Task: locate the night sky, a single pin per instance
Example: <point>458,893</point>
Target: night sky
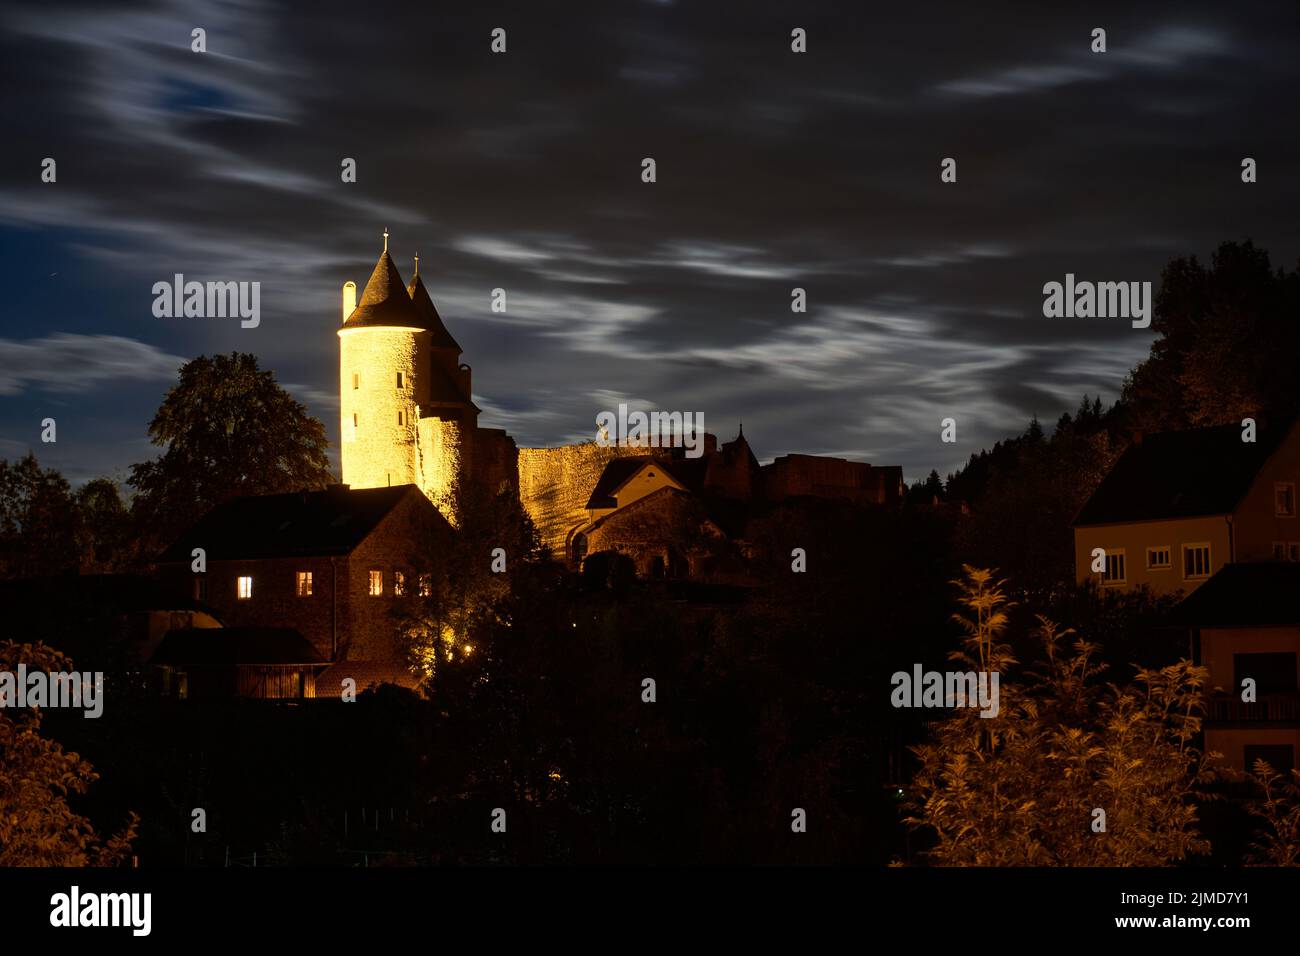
<point>523,171</point>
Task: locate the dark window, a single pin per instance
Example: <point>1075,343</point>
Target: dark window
<point>1273,673</point>
<point>1281,757</point>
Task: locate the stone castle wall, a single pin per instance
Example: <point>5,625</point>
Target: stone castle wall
<point>555,483</point>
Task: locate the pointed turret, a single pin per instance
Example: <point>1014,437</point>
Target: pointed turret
<point>439,337</point>
<point>385,300</point>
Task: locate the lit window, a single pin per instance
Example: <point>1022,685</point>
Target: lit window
<point>1159,558</point>
<point>304,584</point>
<point>376,583</point>
<point>244,587</point>
<point>1115,568</point>
<point>399,379</point>
<point>426,585</point>
<point>1196,560</point>
<point>399,583</point>
<point>1284,499</point>
<point>356,380</point>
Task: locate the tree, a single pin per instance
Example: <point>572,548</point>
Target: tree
<point>1277,842</point>
<point>38,523</point>
<point>462,580</point>
<point>104,527</point>
<point>1229,335</point>
<point>37,826</point>
<point>1023,788</point>
<point>228,430</point>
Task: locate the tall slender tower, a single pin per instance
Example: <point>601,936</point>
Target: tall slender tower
<point>406,416</point>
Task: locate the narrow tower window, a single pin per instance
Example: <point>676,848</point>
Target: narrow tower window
<point>401,418</point>
<point>399,379</point>
<point>356,380</point>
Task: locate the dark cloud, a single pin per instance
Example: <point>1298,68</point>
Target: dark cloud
<point>522,172</point>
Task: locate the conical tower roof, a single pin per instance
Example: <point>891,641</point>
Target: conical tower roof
<point>385,300</point>
<point>429,318</point>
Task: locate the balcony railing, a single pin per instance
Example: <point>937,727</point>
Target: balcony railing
<point>1268,707</point>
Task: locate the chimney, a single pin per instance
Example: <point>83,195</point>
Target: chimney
<point>349,299</point>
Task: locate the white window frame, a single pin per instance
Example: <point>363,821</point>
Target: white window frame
<point>1169,550</point>
<point>1122,555</point>
<point>243,593</point>
<point>1209,560</point>
<point>376,583</point>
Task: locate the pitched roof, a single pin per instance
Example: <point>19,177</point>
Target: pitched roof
<point>231,646</point>
<point>687,472</point>
<point>1202,471</point>
<point>429,317</point>
<point>327,522</point>
<point>385,300</point>
<point>1244,595</point>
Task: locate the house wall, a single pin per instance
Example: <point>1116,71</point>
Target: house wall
<point>1135,537</point>
<point>275,602</point>
<point>645,482</point>
<point>1218,645</point>
<point>1255,524</point>
<point>402,541</point>
<point>366,630</point>
<point>1231,742</point>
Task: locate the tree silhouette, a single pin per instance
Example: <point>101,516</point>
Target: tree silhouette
<point>228,430</point>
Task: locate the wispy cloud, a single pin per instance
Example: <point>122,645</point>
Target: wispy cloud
<point>66,362</point>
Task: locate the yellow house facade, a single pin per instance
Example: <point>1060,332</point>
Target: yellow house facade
<point>1179,506</point>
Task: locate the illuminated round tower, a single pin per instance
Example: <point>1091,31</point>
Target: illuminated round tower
<point>404,400</point>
